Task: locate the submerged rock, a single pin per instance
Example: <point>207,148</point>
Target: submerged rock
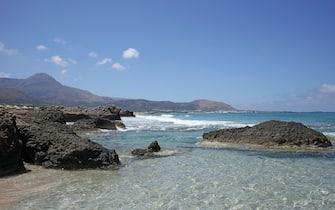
<point>153,147</point>
<point>271,134</point>
<point>10,145</point>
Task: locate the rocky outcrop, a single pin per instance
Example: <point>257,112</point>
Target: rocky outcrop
<point>48,141</point>
<point>104,117</point>
<point>110,112</point>
<point>10,145</point>
<point>97,123</point>
<point>72,114</point>
<point>272,133</point>
<point>153,147</point>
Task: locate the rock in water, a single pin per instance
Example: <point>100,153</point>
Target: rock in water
<point>153,147</point>
<point>10,145</point>
<point>271,134</point>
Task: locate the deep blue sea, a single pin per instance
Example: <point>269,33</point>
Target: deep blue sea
<point>188,176</point>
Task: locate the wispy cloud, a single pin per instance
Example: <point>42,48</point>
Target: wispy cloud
<point>326,88</point>
<point>63,62</point>
<point>104,61</point>
<point>59,41</point>
<point>118,66</point>
<point>93,54</point>
<point>58,61</point>
<point>322,98</point>
<point>9,52</point>
<point>4,75</point>
<point>72,61</point>
<point>41,47</point>
<point>131,53</point>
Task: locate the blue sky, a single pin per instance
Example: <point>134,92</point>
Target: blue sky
<point>260,54</point>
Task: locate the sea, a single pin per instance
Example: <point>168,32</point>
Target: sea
<point>185,174</point>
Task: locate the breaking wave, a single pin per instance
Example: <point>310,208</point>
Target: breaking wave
<point>175,122</point>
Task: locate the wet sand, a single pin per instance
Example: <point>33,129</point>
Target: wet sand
<point>16,188</point>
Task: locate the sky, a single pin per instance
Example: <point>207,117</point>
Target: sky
<point>271,55</point>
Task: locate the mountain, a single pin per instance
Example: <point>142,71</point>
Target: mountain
<point>15,96</point>
<point>42,89</point>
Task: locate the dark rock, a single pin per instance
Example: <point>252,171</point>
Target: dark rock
<point>271,134</point>
<point>153,147</point>
<point>126,113</point>
<point>105,117</point>
<point>73,114</point>
<point>52,144</point>
<point>10,145</point>
<point>49,114</point>
<point>91,124</point>
<point>141,152</point>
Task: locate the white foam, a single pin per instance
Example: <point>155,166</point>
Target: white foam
<point>167,115</point>
<point>168,152</point>
<point>330,134</point>
<point>191,123</point>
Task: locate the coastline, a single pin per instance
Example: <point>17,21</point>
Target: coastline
<point>206,177</point>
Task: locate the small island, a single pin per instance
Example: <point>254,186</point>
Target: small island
<point>270,134</point>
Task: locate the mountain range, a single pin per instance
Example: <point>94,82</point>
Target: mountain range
<point>42,89</point>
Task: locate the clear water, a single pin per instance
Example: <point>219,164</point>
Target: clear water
<point>187,176</point>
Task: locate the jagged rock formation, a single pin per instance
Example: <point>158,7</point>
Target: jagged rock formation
<point>274,134</point>
<point>40,136</point>
<point>89,118</point>
<point>10,145</point>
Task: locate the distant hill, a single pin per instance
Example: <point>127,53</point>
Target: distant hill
<point>42,89</point>
<point>15,96</point>
<point>138,105</point>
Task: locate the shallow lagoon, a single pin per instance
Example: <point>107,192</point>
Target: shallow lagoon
<point>187,176</point>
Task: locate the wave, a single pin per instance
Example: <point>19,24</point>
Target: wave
<point>172,122</point>
<point>330,134</point>
<point>178,121</point>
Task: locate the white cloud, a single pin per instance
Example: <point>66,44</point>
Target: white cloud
<point>4,75</point>
<point>104,61</point>
<point>41,47</point>
<point>7,51</point>
<point>63,72</point>
<point>118,66</point>
<point>59,61</point>
<point>325,88</point>
<point>131,53</point>
<point>93,54</point>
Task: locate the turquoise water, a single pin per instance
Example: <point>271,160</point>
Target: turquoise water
<point>187,176</point>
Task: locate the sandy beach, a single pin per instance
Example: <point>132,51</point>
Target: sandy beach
<point>15,188</point>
